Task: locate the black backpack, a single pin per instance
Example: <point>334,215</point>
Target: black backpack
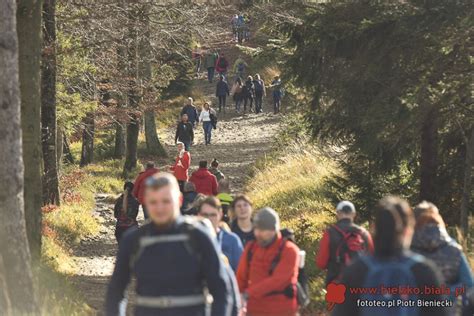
<point>302,286</point>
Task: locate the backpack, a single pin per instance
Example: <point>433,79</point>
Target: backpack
<point>351,246</point>
<point>302,285</point>
<point>391,274</point>
<point>222,63</point>
<point>258,85</point>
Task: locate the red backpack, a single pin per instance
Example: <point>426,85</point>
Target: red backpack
<point>351,246</point>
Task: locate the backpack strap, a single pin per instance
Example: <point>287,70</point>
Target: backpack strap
<point>277,258</point>
<point>250,252</point>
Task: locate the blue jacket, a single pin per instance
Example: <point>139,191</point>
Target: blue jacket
<point>231,247</point>
<point>222,88</point>
<point>178,266</point>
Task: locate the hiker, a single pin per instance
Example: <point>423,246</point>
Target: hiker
<point>125,211</point>
<point>237,94</point>
<point>208,119</point>
<point>181,165</point>
<point>224,196</point>
<point>222,64</point>
<point>214,169</point>
<point>432,241</point>
<point>204,181</point>
<point>184,132</point>
<point>197,56</point>
<point>277,94</point>
<point>194,207</point>
<point>242,223</point>
<point>234,25</point>
<point>139,184</point>
<point>173,259</point>
<point>248,92</point>
<point>260,92</point>
<point>191,111</point>
<point>235,302</point>
<point>239,68</point>
<point>229,242</point>
<point>210,64</point>
<point>342,242</point>
<point>240,28</point>
<point>269,287</point>
<point>392,266</point>
<point>189,195</point>
<point>222,91</point>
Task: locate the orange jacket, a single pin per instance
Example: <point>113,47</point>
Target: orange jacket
<point>254,278</point>
<point>181,170</point>
<point>139,185</point>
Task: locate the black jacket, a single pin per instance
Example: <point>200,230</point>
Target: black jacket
<point>222,88</point>
<point>184,132</point>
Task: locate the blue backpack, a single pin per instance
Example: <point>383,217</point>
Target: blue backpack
<point>390,274</point>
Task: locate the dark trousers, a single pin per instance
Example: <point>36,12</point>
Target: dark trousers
<point>207,131</point>
<point>258,101</point>
<point>248,98</point>
<point>276,102</point>
<point>181,185</point>
<point>222,99</point>
<point>119,231</point>
<point>187,145</point>
<point>210,73</point>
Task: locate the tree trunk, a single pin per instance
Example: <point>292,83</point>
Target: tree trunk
<point>153,144</point>
<point>14,248</point>
<point>119,141</point>
<point>5,304</point>
<point>59,147</point>
<point>87,153</point>
<point>67,151</point>
<point>467,191</point>
<point>429,155</point>
<point>133,127</point>
<point>29,44</point>
<point>48,105</point>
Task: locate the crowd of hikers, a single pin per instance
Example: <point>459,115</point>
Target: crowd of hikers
<point>205,251</point>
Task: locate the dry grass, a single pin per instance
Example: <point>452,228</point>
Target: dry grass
<point>294,184</point>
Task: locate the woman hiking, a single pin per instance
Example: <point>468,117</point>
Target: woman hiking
<point>125,211</point>
<point>432,241</point>
<point>222,91</point>
<point>392,265</point>
<point>237,94</point>
<point>181,166</point>
<point>207,117</point>
<point>175,261</point>
<point>248,93</point>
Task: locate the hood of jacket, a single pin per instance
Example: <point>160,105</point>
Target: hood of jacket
<point>430,237</point>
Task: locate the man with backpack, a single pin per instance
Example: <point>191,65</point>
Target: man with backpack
<point>268,269</point>
<point>342,242</point>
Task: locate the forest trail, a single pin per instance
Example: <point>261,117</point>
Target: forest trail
<point>237,143</point>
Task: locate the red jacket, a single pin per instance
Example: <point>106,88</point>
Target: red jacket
<point>205,182</point>
<point>254,278</point>
<point>139,185</point>
<point>180,170</point>
<point>225,63</point>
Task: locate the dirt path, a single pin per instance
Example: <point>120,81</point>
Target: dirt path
<point>238,141</point>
